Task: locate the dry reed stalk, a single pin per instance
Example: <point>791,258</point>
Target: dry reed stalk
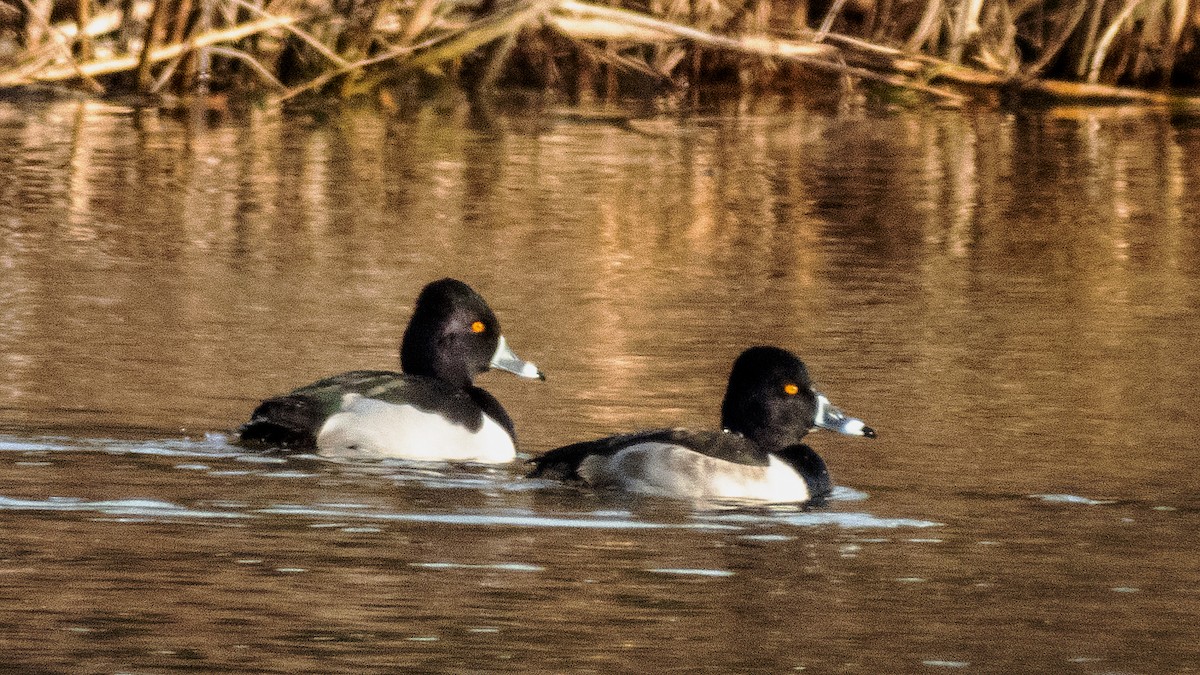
<point>83,17</point>
<point>253,63</point>
<point>150,37</point>
<point>1055,46</point>
<point>1106,40</point>
<point>943,71</point>
<point>102,23</point>
<point>965,28</point>
<point>477,34</point>
<point>1093,75</point>
<point>1089,39</point>
<point>298,32</point>
<point>610,57</point>
<point>1180,12</point>
<point>128,63</point>
<point>62,44</point>
<point>495,63</point>
<point>1104,93</point>
<point>196,76</point>
<point>821,57</point>
<point>605,30</point>
<point>759,45</point>
<point>439,49</point>
<point>38,20</point>
<point>925,27</point>
<point>421,19</point>
<point>180,26</point>
<point>827,24</point>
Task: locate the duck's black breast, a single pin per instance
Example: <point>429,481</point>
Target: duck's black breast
<point>812,468</point>
<point>294,420</point>
<point>563,463</point>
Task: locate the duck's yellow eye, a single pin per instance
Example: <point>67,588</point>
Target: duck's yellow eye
<point>478,327</point>
<point>791,389</point>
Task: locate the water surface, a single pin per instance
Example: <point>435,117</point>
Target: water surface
<point>1010,299</point>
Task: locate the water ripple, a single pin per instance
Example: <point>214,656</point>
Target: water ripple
<point>585,521</point>
<point>212,445</point>
<point>506,567</point>
<point>691,572</point>
<point>1071,499</point>
<point>818,518</point>
<point>142,508</point>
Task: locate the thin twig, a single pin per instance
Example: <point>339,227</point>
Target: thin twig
<point>321,80</point>
<point>481,32</point>
<point>612,58</point>
<point>495,62</point>
<point>298,32</point>
<point>150,37</point>
<point>933,11</point>
<point>830,17</point>
<point>1106,40</point>
<point>168,72</point>
<point>1054,47</point>
<point>1179,21</point>
<point>245,58</point>
<point>1097,7</point>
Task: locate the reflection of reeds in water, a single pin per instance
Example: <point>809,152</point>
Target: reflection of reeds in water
<point>351,46</point>
<point>598,247</point>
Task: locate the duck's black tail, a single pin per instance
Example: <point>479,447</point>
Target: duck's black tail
<point>288,422</point>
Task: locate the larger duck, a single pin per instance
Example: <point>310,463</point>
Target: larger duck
<point>770,405</point>
<point>432,410</point>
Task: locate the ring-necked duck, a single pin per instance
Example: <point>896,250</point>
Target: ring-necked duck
<point>430,411</point>
<point>770,404</point>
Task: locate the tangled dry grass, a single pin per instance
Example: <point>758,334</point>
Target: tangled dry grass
<point>948,50</point>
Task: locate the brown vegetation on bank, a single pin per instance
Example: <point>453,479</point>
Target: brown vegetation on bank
<point>947,50</point>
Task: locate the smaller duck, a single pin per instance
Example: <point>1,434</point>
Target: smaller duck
<point>430,411</point>
<point>770,405</point>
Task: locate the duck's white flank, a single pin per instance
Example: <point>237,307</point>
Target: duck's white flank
<point>670,470</point>
<point>367,427</point>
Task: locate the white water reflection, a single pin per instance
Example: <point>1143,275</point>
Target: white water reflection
<point>504,567</point>
<point>692,572</point>
<point>497,519</point>
<point>150,509</point>
<point>1071,499</point>
<point>817,518</point>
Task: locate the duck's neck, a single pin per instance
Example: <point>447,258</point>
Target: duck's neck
<point>422,358</point>
<point>769,438</point>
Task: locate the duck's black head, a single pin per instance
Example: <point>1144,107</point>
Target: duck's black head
<point>771,400</point>
<point>453,335</point>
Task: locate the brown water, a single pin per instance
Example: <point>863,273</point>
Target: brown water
<point>1010,300</point>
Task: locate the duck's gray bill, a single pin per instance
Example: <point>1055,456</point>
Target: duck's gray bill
<point>831,418</point>
<point>506,359</point>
